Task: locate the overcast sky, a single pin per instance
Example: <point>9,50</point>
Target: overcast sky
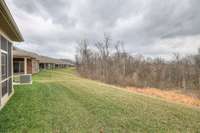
<point>149,27</point>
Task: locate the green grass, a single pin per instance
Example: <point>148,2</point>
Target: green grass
<point>59,101</point>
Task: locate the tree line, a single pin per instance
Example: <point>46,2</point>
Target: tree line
<point>107,61</point>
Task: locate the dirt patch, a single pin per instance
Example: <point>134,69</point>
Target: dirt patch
<point>170,95</point>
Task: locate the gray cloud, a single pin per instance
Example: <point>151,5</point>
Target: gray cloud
<point>153,28</point>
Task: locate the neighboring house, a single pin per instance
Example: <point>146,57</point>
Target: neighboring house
<point>60,64</point>
<point>50,63</point>
<point>9,33</point>
<point>24,62</point>
<point>68,62</point>
<point>46,62</point>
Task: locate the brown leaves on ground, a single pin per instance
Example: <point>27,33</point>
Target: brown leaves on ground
<point>101,130</point>
<point>188,98</point>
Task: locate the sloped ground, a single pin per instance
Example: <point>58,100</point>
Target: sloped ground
<point>179,96</point>
<point>58,101</point>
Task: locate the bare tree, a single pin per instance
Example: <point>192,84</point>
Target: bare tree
<point>107,61</point>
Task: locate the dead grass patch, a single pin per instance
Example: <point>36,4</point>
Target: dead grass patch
<point>171,95</point>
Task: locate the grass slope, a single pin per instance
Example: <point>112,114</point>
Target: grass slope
<point>59,101</point>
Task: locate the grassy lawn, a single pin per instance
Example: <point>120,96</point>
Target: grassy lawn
<point>59,101</point>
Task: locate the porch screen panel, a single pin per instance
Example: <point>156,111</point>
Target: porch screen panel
<point>4,45</point>
<point>18,65</point>
<point>4,86</point>
<point>6,66</point>
<point>9,67</point>
<point>3,66</point>
<point>9,59</point>
<point>10,86</point>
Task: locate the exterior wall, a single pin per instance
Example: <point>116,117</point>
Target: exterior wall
<point>29,66</point>
<point>6,87</point>
<point>45,66</point>
<point>35,66</point>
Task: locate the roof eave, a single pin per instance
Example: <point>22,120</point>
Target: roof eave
<point>5,13</point>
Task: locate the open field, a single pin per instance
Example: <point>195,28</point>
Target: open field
<point>60,101</point>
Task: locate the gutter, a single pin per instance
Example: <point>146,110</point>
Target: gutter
<point>10,21</point>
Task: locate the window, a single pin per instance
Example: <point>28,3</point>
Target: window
<point>4,65</point>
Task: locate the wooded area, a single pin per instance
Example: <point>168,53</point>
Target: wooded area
<point>107,61</point>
